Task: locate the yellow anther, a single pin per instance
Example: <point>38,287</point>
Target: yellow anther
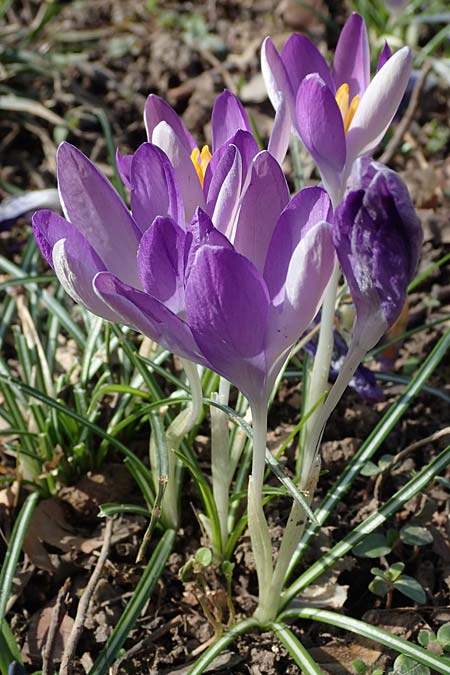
<point>346,107</point>
<point>200,161</point>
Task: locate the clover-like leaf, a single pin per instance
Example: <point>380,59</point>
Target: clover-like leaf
<point>411,588</point>
<point>415,535</point>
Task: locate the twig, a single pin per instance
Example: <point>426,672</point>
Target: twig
<point>143,644</point>
<point>83,605</point>
<point>407,118</point>
<point>405,452</point>
<point>57,616</point>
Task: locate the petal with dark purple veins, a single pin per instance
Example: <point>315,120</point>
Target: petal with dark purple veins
<point>262,204</point>
<point>201,232</point>
<point>154,189</point>
<point>352,57</point>
<point>93,206</point>
<point>228,117</point>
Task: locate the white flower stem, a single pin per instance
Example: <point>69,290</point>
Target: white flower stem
<point>220,460</point>
<point>180,427</point>
<point>257,524</point>
<point>321,366</point>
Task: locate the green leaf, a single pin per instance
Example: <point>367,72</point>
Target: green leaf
<point>370,469</point>
<point>415,535</point>
<point>395,570</point>
<point>425,637</point>
<point>203,556</point>
<point>404,665</point>
<point>379,587</point>
<point>411,588</point>
<point>443,636</point>
<point>360,667</point>
<point>372,546</point>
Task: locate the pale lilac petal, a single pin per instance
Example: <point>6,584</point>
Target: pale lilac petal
<point>161,263</point>
<point>227,307</point>
<point>281,132</point>
<point>201,232</point>
<point>309,271</point>
<point>379,105</point>
<point>74,261</point>
<point>15,206</point>
<point>191,190</point>
<point>93,206</point>
<point>123,163</point>
<point>154,189</point>
<point>225,190</point>
<point>301,58</point>
<point>352,57</point>
<point>262,204</point>
<point>320,125</point>
<point>277,78</point>
<point>156,111</point>
<point>248,149</point>
<point>385,55</point>
<point>228,117</point>
<point>307,208</point>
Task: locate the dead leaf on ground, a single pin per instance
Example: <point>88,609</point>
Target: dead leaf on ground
<point>37,635</point>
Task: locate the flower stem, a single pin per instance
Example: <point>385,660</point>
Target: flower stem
<point>220,458</point>
<point>257,524</point>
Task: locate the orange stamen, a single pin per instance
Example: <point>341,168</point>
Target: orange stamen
<point>200,161</point>
<point>346,107</point>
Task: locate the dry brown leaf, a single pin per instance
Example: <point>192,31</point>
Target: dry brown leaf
<point>37,635</point>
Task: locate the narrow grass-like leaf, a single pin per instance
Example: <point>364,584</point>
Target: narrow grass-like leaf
<point>240,628</point>
<point>398,644</point>
<point>295,648</point>
<point>111,509</point>
<point>134,607</point>
<point>419,278</point>
<point>373,442</point>
<point>9,650</point>
<point>376,519</point>
<point>14,549</point>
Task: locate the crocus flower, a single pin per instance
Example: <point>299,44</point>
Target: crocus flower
<point>233,297</point>
<point>378,239</point>
<point>339,114</point>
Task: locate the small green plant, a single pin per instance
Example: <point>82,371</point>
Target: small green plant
<point>392,579</point>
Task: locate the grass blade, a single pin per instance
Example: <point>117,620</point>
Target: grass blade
<point>221,644</point>
<point>295,648</point>
<point>398,644</point>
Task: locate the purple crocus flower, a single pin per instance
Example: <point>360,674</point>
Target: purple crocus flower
<point>339,114</point>
<point>378,239</point>
<point>232,293</point>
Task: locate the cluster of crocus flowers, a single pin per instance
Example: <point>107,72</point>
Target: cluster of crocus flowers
<point>217,262</point>
<point>339,114</point>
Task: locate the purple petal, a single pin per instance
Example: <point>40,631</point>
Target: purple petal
<point>201,232</point>
<point>186,175</point>
<point>161,263</point>
<point>379,105</point>
<point>308,262</point>
<point>156,111</point>
<point>302,58</point>
<point>248,149</point>
<point>73,259</point>
<point>225,190</point>
<point>154,190</point>
<point>378,238</point>
<point>262,204</point>
<point>123,163</point>
<point>93,206</point>
<point>277,79</point>
<point>385,55</point>
<point>280,135</point>
<point>352,57</point>
<point>320,125</point>
<point>148,316</point>
<point>228,117</point>
<point>227,307</point>
<point>307,208</point>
